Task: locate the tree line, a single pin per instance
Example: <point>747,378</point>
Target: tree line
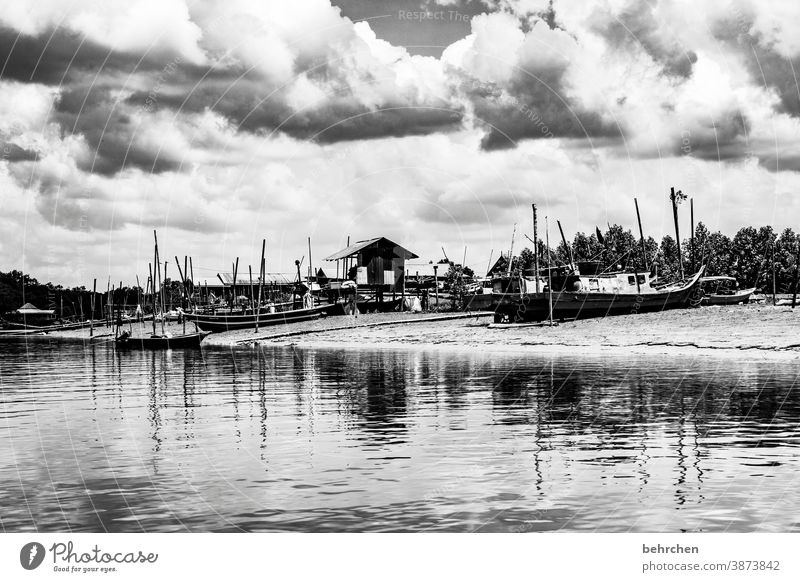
<point>748,256</point>
<point>17,288</point>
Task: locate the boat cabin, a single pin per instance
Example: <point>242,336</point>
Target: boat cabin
<point>719,285</point>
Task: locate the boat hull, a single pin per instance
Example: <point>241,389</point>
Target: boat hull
<point>222,323</point>
<point>577,305</point>
<point>187,341</point>
<point>733,299</point>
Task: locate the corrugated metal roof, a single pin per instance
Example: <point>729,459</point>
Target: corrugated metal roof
<point>31,309</point>
<point>269,279</point>
<point>355,248</point>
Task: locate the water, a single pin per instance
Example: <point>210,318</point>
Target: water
<point>331,440</point>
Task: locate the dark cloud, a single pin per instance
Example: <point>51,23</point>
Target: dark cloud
<point>110,132</point>
<point>534,106</point>
<point>638,26</point>
<point>253,106</point>
<point>60,56</point>
<point>11,152</point>
<point>764,63</point>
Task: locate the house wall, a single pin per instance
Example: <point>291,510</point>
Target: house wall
<point>380,259</point>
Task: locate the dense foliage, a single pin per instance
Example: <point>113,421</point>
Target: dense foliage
<point>17,288</point>
<point>748,256</point>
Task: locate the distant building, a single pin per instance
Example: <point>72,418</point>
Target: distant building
<point>29,314</point>
<point>222,286</point>
<point>378,263</point>
<point>423,275</point>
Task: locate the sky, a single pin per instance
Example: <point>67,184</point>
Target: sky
<point>434,123</point>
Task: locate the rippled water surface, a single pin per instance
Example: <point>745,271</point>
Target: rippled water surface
<point>279,439</point>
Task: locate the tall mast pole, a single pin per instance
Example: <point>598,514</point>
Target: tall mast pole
<point>641,235</point>
<point>310,268</point>
<point>673,198</point>
<point>535,248</point>
<point>549,271</point>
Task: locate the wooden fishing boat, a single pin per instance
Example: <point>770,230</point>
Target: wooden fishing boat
<point>598,296</point>
<point>227,322</point>
<point>160,342</point>
<point>723,291</point>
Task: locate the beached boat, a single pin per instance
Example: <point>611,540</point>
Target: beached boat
<point>160,342</point>
<point>723,291</point>
<point>230,321</point>
<point>597,295</point>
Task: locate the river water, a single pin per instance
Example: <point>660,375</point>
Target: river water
<point>283,439</point>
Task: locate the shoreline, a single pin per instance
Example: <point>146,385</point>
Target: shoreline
<point>747,331</point>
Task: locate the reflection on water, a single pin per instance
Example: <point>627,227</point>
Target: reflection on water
<point>279,439</point>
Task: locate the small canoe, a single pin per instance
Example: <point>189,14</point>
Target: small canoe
<point>742,296</point>
<point>160,342</point>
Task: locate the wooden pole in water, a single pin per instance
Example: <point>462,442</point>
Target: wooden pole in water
<point>310,274</point>
<point>549,271</point>
<point>641,235</point>
<point>108,297</point>
<point>191,278</point>
<point>436,284</point>
<point>183,289</point>
<point>796,274</point>
<point>535,248</point>
<point>91,304</point>
<point>153,295</point>
<point>691,236</point>
<point>310,268</point>
<point>774,291</point>
<point>673,199</point>
<point>346,263</point>
<point>260,280</point>
<point>160,286</point>
<point>138,293</point>
<point>235,275</point>
<point>252,296</point>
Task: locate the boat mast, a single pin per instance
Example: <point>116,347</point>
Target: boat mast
<point>153,293</point>
<point>676,197</point>
<point>261,281</point>
<point>511,250</point>
<point>160,287</point>
<point>641,236</point>
<point>183,287</point>
<point>566,246</point>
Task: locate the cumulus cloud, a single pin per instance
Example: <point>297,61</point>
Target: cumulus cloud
<point>196,114</point>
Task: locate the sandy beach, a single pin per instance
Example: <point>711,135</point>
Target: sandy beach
<point>752,330</point>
